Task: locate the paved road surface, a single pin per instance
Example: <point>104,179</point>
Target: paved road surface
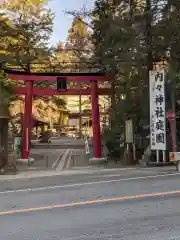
<point>62,207</point>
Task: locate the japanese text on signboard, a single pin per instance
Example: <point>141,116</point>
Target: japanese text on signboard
<point>157,111</point>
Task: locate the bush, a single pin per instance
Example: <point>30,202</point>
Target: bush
<point>114,142</point>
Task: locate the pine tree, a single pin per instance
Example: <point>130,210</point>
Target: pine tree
<point>77,45</point>
<point>131,38</point>
<point>122,47</point>
<point>77,40</point>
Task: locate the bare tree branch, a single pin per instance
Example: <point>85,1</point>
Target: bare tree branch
<point>79,13</point>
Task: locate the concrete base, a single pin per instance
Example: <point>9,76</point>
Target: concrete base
<point>94,161</point>
<point>27,160</point>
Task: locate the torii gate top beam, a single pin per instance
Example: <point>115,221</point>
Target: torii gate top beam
<point>52,76</point>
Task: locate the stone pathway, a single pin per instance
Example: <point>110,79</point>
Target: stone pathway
<point>44,159</point>
<point>79,158</point>
<point>47,155</point>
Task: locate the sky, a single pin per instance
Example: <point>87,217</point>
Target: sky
<point>62,21</point>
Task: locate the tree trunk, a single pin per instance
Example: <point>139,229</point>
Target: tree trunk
<point>3,142</point>
<point>149,36</point>
<point>50,118</point>
<point>113,121</point>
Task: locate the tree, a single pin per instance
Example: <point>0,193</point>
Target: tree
<point>78,39</point>
<point>114,50</point>
<point>61,105</point>
<point>130,38</point>
<point>50,110</point>
<point>77,45</point>
<point>6,97</point>
<point>33,24</point>
<point>126,37</point>
<point>59,102</point>
<point>25,28</point>
<point>7,31</point>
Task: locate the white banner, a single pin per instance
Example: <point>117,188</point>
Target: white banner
<point>157,110</point>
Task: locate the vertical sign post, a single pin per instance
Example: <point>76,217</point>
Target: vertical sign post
<point>130,138</point>
<point>157,111</point>
<point>129,131</point>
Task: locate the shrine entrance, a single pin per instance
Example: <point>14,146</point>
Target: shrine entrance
<point>90,79</point>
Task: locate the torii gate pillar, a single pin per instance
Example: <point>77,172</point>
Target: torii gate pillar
<point>95,120</point>
<point>26,134</point>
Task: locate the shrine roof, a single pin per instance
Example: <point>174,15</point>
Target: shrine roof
<point>60,74</point>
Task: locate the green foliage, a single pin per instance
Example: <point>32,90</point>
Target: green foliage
<point>26,27</point>
<point>7,33</point>
<point>77,40</point>
<point>6,93</point>
<point>76,51</point>
<point>33,24</point>
<point>130,37</point>
<point>114,141</point>
<point>59,102</point>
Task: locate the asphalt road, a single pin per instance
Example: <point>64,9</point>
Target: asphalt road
<point>134,204</point>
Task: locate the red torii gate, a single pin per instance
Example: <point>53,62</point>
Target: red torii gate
<point>29,91</point>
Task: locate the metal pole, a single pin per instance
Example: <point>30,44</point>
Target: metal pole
<point>27,139</point>
<point>80,116</point>
<point>164,156</point>
<point>173,135</point>
<point>173,122</point>
<point>127,148</point>
<point>157,156</point>
<point>134,151</point>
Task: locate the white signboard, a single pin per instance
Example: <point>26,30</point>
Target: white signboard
<point>157,110</point>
